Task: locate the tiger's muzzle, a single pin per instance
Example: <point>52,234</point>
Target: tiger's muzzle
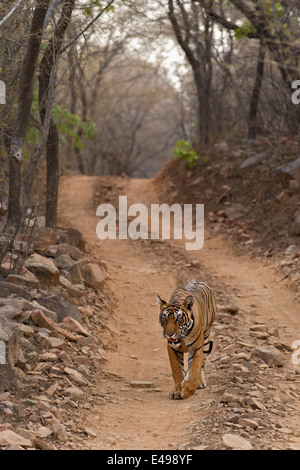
<point>174,340</point>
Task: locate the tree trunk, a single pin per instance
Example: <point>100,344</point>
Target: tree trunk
<point>195,41</point>
<point>14,215</point>
<point>203,115</point>
<point>254,101</point>
<point>52,162</point>
<point>50,58</point>
<point>15,212</point>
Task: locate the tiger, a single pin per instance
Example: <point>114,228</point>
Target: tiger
<point>186,321</point>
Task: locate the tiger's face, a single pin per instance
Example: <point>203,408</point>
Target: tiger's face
<point>176,320</point>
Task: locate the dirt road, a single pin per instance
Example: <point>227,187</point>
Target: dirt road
<point>125,417</point>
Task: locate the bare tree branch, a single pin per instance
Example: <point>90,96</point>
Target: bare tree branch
<point>81,33</point>
<point>51,12</point>
<point>10,12</point>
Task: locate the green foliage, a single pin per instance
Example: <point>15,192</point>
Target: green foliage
<point>88,8</point>
<point>68,125</point>
<point>272,10</point>
<point>185,151</point>
<point>90,5</point>
<point>33,137</point>
<point>244,30</point>
<point>279,9</point>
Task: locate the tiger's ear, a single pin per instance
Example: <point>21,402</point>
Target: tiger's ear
<point>161,302</point>
<point>188,302</point>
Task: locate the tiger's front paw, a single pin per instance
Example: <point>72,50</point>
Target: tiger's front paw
<point>203,382</point>
<point>175,395</point>
<point>188,389</point>
<point>201,386</point>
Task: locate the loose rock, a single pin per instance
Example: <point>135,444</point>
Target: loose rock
<point>10,438</point>
<point>233,441</point>
<point>43,268</point>
<point>43,238</point>
<point>269,355</point>
<point>94,276</point>
<point>62,308</point>
<point>141,384</point>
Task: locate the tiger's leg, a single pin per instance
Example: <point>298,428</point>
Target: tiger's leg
<point>206,351</point>
<point>191,381</point>
<point>177,367</point>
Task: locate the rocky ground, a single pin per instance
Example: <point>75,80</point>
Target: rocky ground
<point>251,196</point>
<point>84,364</point>
<point>252,400</point>
<point>248,406</point>
<point>48,354</point>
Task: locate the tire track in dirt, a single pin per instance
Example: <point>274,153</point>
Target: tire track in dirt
<point>123,417</point>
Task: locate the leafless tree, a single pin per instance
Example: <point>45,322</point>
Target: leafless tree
<point>278,32</point>
<point>193,29</point>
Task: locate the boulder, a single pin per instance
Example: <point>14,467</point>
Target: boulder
<point>74,392</point>
<point>36,305</point>
<point>43,237</point>
<point>291,250</point>
<point>20,306</point>
<point>94,276</point>
<point>7,288</point>
<point>269,355</point>
<point>248,423</point>
<point>66,249</point>
<point>76,290</point>
<point>71,236</point>
<point>10,438</point>
<point>74,325</point>
<point>62,308</point>
<point>64,262</point>
<point>24,281</point>
<point>233,441</point>
<point>59,431</point>
<point>76,273</point>
<point>10,312</point>
<point>253,403</point>
<point>252,160</point>
<point>75,376</point>
<point>41,320</point>
<point>43,268</point>
<point>71,268</point>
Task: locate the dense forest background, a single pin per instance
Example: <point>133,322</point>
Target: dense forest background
<point>121,87</point>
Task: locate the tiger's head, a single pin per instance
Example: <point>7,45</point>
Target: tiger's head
<point>176,319</point>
